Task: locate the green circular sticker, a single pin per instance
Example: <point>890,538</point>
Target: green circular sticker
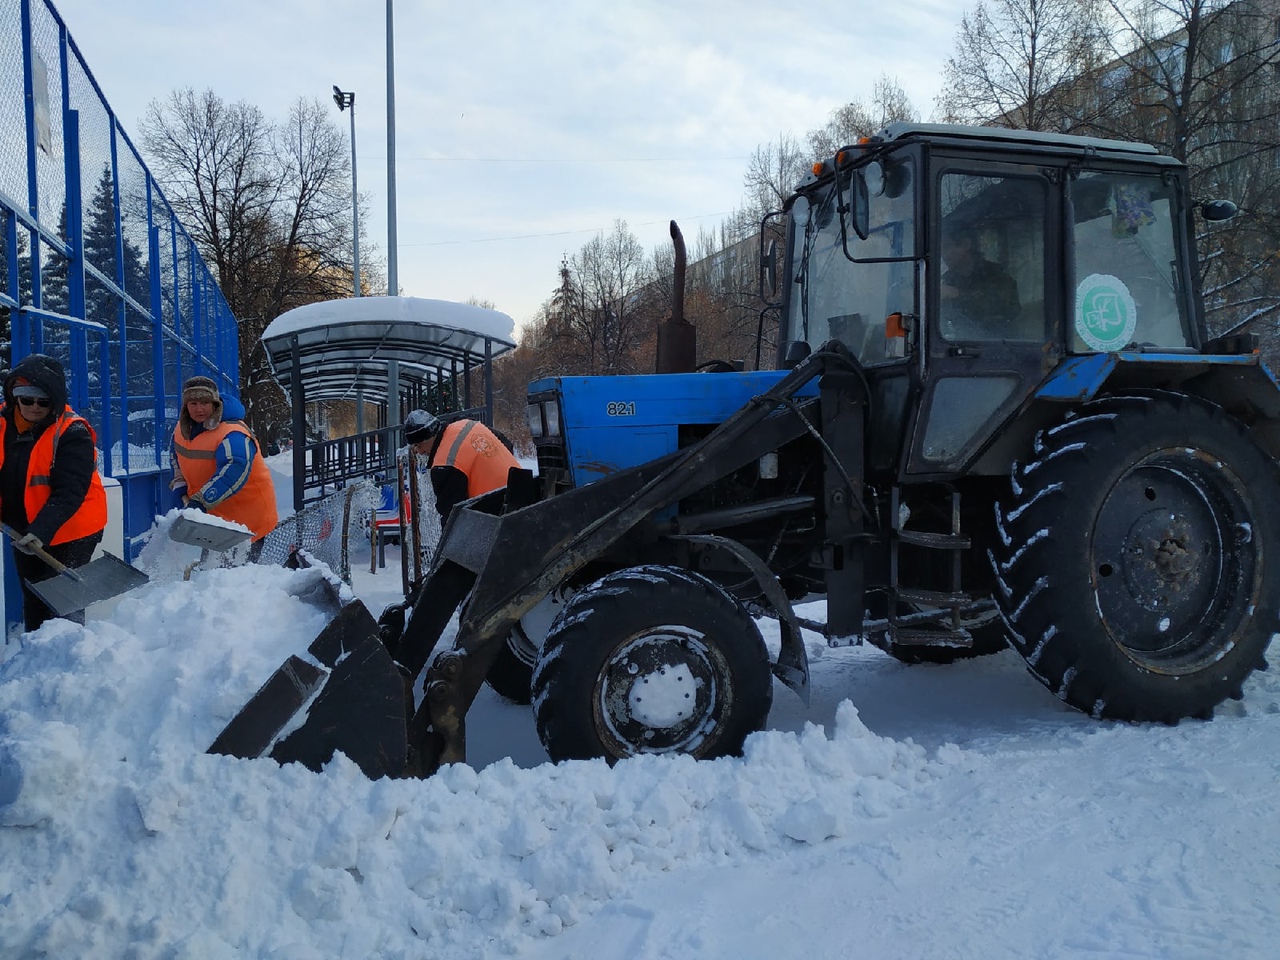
<point>1105,313</point>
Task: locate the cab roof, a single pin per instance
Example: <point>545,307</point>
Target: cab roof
<point>1002,138</point>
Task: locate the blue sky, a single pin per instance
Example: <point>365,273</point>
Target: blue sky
<point>524,129</point>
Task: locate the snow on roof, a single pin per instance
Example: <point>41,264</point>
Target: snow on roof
<point>411,310</point>
<point>336,348</point>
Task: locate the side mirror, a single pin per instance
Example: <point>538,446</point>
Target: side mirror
<point>859,204</point>
<point>769,268</point>
<point>1218,210</point>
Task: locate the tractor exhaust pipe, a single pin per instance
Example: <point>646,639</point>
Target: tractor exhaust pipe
<point>677,339</point>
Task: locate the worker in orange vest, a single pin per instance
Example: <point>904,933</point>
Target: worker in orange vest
<point>50,491</point>
<point>217,464</point>
<point>466,458</point>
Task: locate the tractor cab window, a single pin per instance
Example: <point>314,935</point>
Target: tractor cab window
<point>848,296</point>
<point>1128,284</point>
<point>991,242</point>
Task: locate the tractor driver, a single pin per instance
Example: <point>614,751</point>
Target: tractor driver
<point>465,457</point>
<point>978,296</point>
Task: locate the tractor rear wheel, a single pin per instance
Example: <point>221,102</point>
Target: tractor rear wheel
<point>1138,559</point>
<point>651,659</point>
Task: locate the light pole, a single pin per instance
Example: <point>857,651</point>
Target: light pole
<point>393,281</point>
<point>343,100</point>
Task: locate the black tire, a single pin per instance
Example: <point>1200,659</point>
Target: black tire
<point>1138,558</point>
<point>511,674</point>
<point>644,630</point>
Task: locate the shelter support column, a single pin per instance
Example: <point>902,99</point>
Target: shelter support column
<point>298,396</point>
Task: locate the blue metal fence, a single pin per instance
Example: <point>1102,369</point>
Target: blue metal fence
<point>97,271</point>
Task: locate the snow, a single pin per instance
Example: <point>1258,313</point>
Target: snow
<point>922,811</point>
<point>411,310</point>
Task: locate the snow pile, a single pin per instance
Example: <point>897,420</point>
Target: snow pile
<point>960,811</point>
<point>119,831</point>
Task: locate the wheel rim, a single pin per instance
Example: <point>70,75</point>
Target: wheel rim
<point>659,692</point>
<point>1173,560</point>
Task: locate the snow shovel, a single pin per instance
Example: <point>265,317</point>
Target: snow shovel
<point>199,530</point>
<point>73,590</point>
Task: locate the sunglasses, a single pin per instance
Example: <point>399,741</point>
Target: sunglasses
<point>42,402</point>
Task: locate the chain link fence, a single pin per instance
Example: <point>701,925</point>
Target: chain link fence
<point>344,525</point>
<point>95,269</point>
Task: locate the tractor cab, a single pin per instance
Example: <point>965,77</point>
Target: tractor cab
<point>962,266</point>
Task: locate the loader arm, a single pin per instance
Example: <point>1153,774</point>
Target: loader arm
<point>542,545</point>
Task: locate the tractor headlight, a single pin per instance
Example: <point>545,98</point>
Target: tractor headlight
<point>552,410</point>
<point>534,413</point>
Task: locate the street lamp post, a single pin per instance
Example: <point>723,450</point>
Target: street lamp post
<point>346,99</point>
<point>393,280</point>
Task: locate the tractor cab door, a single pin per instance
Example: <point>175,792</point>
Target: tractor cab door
<point>993,318</point>
<point>861,285</point>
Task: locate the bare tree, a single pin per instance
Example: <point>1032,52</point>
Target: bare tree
<point>772,173</point>
<point>601,319</point>
<point>215,161</point>
<point>1198,78</point>
<point>1016,60</point>
<point>269,206</point>
<point>889,104</point>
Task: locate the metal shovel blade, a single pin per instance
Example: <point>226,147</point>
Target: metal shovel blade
<point>354,703</point>
<point>198,532</point>
<point>100,579</point>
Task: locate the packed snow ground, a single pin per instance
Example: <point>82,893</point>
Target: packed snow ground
<point>919,811</point>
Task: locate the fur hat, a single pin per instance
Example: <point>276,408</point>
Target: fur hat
<point>200,388</point>
<point>420,425</point>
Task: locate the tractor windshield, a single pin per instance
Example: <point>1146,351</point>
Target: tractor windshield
<point>835,296</point>
<point>1129,285</point>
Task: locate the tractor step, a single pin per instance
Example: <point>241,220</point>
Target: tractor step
<point>933,598</point>
<point>935,541</point>
<point>931,638</point>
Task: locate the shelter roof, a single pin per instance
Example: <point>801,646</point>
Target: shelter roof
<point>338,347</point>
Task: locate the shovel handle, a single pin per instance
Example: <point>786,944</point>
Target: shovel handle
<point>40,552</point>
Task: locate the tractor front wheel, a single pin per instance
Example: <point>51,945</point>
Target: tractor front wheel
<point>651,659</point>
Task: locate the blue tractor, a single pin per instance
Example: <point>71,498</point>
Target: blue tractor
<point>996,420</point>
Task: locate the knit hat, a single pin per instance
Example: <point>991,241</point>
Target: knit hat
<point>25,388</point>
<point>420,425</point>
<point>198,389</point>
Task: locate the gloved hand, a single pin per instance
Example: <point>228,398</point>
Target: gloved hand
<point>28,543</point>
<point>194,503</point>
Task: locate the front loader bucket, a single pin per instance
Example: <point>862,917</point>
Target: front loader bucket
<point>349,698</point>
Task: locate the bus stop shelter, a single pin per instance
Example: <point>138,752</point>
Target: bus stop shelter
<point>399,352</point>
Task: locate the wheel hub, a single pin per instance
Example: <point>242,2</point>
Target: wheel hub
<point>1174,560</point>
<point>1157,551</point>
<point>658,691</point>
<point>665,698</point>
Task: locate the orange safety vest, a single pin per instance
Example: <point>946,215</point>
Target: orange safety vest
<point>91,516</point>
<point>472,447</point>
<point>254,504</point>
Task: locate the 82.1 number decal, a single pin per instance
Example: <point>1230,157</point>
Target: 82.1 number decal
<point>620,408</point>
